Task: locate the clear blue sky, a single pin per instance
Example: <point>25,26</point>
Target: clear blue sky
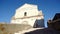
<point>8,7</point>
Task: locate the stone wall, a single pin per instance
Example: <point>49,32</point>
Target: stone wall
<point>12,28</point>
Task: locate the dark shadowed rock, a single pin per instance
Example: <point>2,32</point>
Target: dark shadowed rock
<point>44,31</point>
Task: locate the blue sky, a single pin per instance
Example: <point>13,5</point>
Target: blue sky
<point>8,7</point>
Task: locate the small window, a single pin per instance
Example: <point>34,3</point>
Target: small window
<point>25,14</point>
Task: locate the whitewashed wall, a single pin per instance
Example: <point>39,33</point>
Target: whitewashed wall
<point>32,15</point>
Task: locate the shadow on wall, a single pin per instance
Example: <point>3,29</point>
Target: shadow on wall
<point>39,23</point>
<point>55,22</point>
<point>53,26</point>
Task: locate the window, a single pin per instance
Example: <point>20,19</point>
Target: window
<point>25,14</point>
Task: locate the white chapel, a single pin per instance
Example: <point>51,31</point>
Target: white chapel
<point>28,14</point>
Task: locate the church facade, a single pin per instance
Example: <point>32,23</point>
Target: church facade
<point>28,14</point>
